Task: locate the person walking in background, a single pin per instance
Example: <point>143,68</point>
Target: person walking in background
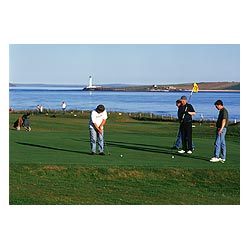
<point>97,121</point>
<point>63,105</point>
<point>39,108</point>
<point>221,130</point>
<point>185,113</point>
<point>178,141</point>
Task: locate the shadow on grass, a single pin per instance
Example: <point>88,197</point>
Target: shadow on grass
<point>150,148</point>
<point>52,148</point>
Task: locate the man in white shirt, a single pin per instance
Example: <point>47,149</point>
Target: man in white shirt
<point>63,105</point>
<point>97,121</point>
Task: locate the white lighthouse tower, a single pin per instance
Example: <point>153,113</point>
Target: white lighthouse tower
<point>91,86</point>
<point>90,82</point>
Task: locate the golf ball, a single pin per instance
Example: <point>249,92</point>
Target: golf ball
<point>172,156</point>
<point>121,155</point>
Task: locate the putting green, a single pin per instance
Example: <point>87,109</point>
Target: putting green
<point>59,146</point>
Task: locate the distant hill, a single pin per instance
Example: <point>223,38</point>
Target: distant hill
<point>212,85</point>
<point>203,86</point>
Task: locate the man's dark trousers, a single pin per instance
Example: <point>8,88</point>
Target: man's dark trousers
<point>186,135</point>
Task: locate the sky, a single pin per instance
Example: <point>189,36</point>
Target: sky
<point>123,63</point>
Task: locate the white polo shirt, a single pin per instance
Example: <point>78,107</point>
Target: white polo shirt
<point>97,118</point>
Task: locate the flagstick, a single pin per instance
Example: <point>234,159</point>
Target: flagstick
<point>190,95</point>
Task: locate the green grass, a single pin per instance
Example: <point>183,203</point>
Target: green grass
<point>52,165</point>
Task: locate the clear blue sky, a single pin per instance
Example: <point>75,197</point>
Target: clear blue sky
<point>124,63</point>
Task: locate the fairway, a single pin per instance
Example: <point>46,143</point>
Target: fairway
<point>52,163</point>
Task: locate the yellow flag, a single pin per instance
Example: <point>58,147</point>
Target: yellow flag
<point>195,88</point>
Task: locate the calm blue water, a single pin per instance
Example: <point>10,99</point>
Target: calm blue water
<point>161,103</point>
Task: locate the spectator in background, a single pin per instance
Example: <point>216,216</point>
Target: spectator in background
<point>39,108</point>
<point>63,105</point>
<point>23,121</point>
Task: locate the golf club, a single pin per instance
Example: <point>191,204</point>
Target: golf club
<point>105,144</point>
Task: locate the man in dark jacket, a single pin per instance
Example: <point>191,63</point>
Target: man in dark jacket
<point>185,113</point>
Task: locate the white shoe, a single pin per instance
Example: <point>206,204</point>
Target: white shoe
<point>222,160</point>
<point>189,152</point>
<point>181,151</point>
<point>214,159</point>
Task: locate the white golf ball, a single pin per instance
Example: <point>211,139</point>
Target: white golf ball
<point>172,156</point>
<point>121,155</point>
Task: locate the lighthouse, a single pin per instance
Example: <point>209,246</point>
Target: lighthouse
<point>91,86</point>
<point>90,82</point>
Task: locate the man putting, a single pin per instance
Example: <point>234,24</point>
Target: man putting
<point>97,121</point>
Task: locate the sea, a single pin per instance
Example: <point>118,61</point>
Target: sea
<point>27,97</point>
